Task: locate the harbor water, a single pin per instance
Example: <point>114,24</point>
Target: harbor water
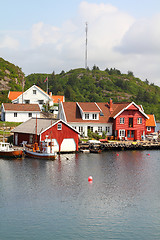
<point>47,200</point>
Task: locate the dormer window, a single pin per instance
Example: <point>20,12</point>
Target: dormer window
<point>94,116</point>
<point>86,115</point>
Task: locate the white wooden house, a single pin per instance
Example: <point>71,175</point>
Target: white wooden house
<point>33,95</point>
<point>87,116</point>
<point>19,112</point>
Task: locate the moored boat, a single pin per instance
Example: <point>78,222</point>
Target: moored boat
<point>7,151</point>
<point>44,151</point>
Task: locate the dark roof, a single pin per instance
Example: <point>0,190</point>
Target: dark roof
<point>21,107</point>
<point>30,125</point>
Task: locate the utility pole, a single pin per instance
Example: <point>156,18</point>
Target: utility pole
<point>86,46</point>
<point>22,88</point>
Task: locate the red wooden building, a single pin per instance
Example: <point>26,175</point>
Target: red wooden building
<point>65,137</point>
<point>129,122</point>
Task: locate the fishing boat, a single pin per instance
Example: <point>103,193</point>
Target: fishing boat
<point>7,151</point>
<point>44,151</point>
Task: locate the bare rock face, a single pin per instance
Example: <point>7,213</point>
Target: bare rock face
<point>11,76</point>
<point>4,84</point>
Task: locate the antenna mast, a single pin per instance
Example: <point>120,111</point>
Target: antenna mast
<point>86,46</point>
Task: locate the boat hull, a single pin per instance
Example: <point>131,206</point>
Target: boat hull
<point>40,155</point>
<point>11,154</point>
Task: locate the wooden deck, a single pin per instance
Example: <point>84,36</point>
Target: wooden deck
<point>124,145</point>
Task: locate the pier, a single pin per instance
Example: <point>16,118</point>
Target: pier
<point>122,145</point>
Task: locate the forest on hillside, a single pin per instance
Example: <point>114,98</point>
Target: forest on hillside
<point>95,85</point>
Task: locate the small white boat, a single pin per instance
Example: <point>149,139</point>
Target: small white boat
<point>44,151</point>
<point>7,151</point>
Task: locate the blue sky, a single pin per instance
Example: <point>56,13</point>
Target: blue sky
<point>46,36</point>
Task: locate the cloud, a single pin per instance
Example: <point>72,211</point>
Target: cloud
<point>143,37</point>
<point>115,39</point>
<point>9,42</point>
<point>43,34</point>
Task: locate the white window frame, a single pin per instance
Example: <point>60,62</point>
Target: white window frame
<point>80,129</point>
<point>121,120</point>
<point>59,126</point>
<point>121,132</point>
<point>94,116</point>
<point>15,114</point>
<point>86,115</point>
<point>100,129</point>
<point>27,101</point>
<point>41,102</point>
<point>29,114</point>
<point>148,129</point>
<point>34,91</point>
<point>107,129</point>
<point>139,120</point>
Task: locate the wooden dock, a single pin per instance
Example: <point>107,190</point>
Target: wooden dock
<point>123,145</point>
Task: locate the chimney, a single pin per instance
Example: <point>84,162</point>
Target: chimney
<point>50,94</point>
<point>110,106</point>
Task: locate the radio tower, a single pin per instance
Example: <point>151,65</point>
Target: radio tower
<point>86,46</point>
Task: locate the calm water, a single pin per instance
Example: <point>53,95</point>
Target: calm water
<point>46,200</point>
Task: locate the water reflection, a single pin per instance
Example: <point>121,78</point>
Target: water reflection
<point>124,192</point>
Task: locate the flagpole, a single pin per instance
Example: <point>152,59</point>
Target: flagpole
<point>47,92</point>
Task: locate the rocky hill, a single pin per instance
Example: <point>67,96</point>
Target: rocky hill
<point>11,76</point>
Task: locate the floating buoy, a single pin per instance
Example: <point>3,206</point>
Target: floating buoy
<point>148,154</point>
<point>117,154</point>
<point>90,179</point>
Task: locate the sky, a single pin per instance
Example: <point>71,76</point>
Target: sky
<point>45,36</point>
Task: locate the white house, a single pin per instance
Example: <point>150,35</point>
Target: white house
<point>87,116</point>
<point>19,112</point>
<point>34,95</point>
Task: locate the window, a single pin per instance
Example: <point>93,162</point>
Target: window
<point>99,129</point>
<point>86,115</point>
<point>34,91</point>
<point>40,102</point>
<point>15,114</point>
<point>122,120</point>
<point>29,114</point>
<point>148,129</point>
<point>90,128</point>
<point>130,122</point>
<point>26,101</point>
<point>80,129</point>
<point>107,129</point>
<point>139,120</point>
<point>94,116</point>
<point>122,133</point>
<point>59,126</point>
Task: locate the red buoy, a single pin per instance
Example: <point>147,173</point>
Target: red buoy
<point>90,179</point>
<point>117,154</point>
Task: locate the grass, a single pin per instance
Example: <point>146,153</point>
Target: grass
<point>4,132</point>
<point>9,124</point>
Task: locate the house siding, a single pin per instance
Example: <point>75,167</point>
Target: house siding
<point>60,135</point>
<point>21,116</point>
<point>139,129</point>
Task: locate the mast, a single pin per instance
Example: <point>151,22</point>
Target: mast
<point>86,45</point>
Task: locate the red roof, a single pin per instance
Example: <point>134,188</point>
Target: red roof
<point>91,107</point>
<point>13,95</point>
<point>57,98</point>
<point>151,121</point>
<point>21,107</point>
<point>72,111</point>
